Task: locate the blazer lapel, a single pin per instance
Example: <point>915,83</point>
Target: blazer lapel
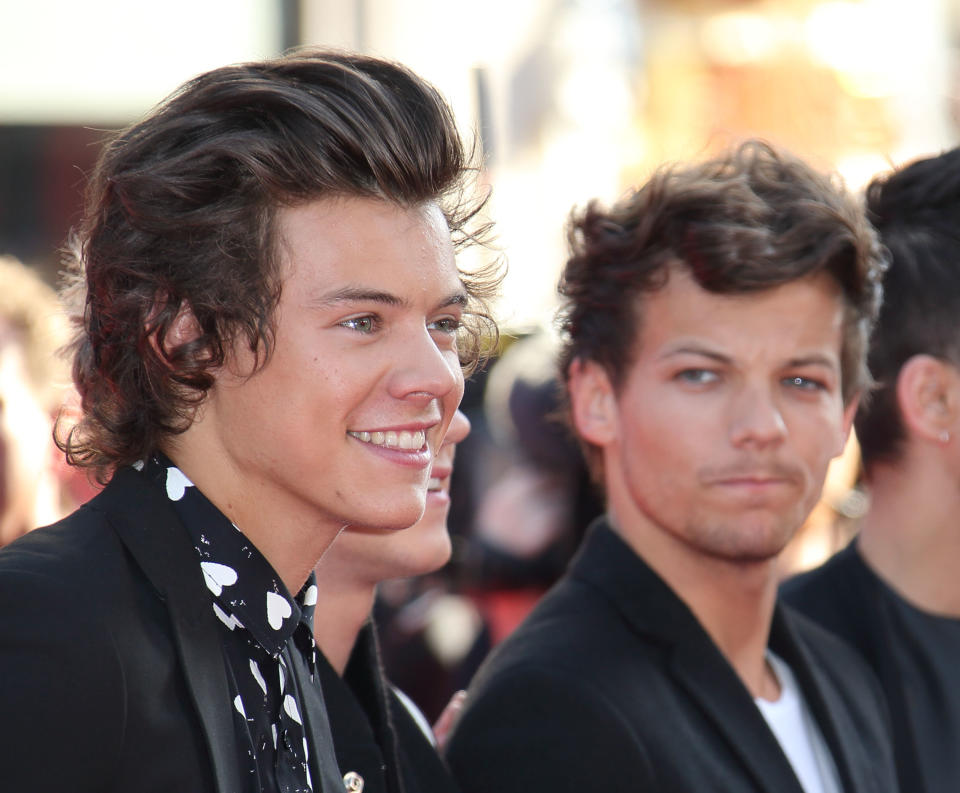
<point>324,769</point>
<point>832,719</point>
<point>712,684</point>
<point>655,611</point>
<point>151,531</point>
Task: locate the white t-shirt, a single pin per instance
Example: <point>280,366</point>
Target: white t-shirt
<point>799,736</point>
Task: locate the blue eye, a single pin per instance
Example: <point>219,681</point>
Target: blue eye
<point>365,324</point>
<point>804,383</point>
<point>698,376</point>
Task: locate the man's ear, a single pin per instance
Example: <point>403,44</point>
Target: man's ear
<point>593,403</point>
<point>928,395</point>
<point>849,412</point>
<point>183,329</point>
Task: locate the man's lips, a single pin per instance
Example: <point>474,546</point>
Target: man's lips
<point>769,474</point>
<point>753,483</point>
<point>439,477</point>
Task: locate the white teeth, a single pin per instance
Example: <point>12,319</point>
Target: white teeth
<point>434,484</point>
<point>405,439</point>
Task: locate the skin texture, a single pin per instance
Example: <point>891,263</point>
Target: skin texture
<point>361,558</point>
<point>716,446</point>
<point>365,342</point>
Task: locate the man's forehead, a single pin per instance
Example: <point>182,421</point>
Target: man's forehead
<point>800,319</point>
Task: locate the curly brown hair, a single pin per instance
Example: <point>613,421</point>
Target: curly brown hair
<point>181,210</point>
<point>750,219</point>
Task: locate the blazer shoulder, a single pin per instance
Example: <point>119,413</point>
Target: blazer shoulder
<point>842,596</point>
<point>532,728</point>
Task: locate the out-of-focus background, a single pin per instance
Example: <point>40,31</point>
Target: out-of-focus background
<point>568,100</point>
<point>572,98</point>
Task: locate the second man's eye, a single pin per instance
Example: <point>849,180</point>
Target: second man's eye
<point>365,324</point>
<point>804,383</point>
<point>446,325</point>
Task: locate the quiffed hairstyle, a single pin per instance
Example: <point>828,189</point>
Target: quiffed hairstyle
<point>749,220</point>
<point>181,211</point>
<point>916,210</point>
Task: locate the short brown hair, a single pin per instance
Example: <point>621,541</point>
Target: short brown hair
<point>916,210</point>
<point>749,220</point>
<point>181,211</point>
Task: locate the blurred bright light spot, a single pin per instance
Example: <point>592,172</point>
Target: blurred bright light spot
<point>596,94</point>
<point>859,168</point>
<point>855,40</point>
<point>63,61</point>
<point>740,38</point>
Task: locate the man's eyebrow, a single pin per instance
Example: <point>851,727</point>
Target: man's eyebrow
<point>458,298</point>
<point>357,294</point>
<point>354,294</point>
<point>693,349</point>
<point>816,359</point>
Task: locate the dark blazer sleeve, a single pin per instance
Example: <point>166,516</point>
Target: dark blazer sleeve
<point>61,689</point>
<point>541,731</point>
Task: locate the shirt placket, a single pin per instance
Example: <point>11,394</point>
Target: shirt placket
<point>293,766</point>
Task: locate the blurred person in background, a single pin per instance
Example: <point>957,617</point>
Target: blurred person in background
<point>522,497</point>
<point>34,384</point>
<point>271,333</point>
<point>894,592</point>
<point>716,324</point>
<point>382,740</point>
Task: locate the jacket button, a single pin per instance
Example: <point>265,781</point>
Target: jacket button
<point>353,782</point>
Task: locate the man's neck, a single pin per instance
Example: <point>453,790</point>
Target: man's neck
<point>343,606</point>
<point>909,536</point>
<point>732,601</point>
<point>285,532</point>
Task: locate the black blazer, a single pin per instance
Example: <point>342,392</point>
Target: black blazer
<point>112,677</point>
<point>611,684</point>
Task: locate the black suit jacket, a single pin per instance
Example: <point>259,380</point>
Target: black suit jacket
<point>611,684</point>
<point>112,676</point>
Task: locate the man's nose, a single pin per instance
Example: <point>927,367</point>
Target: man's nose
<point>756,417</point>
<point>424,369</point>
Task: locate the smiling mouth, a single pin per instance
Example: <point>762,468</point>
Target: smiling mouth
<point>405,440</point>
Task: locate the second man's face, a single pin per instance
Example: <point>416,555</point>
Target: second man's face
<point>721,433</point>
<point>342,423</point>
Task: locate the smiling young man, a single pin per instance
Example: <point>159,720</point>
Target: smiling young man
<point>715,327</point>
<point>267,351</point>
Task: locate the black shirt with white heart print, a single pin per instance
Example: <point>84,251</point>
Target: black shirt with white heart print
<point>261,626</point>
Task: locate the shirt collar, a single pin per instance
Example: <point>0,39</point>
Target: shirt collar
<point>246,591</point>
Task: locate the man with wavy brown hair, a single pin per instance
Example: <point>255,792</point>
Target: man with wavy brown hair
<point>715,326</point>
<point>271,331</point>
